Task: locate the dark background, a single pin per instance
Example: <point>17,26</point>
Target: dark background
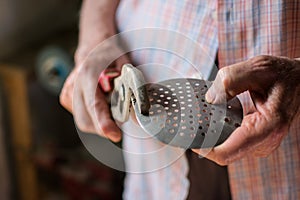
<point>41,155</point>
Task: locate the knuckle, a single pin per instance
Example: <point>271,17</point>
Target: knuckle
<point>226,80</point>
<point>261,60</point>
<point>63,94</point>
<point>65,99</point>
<point>62,98</point>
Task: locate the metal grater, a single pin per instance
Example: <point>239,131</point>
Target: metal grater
<point>175,111</point>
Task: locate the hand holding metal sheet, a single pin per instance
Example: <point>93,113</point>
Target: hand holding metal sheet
<point>175,111</point>
<point>273,83</point>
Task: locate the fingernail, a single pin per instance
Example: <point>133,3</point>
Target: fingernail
<point>209,97</point>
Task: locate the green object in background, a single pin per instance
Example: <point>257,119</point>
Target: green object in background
<point>52,68</point>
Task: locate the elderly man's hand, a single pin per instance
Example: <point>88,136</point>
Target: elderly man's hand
<point>82,96</point>
<point>274,85</point>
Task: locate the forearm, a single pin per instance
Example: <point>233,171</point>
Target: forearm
<point>97,22</point>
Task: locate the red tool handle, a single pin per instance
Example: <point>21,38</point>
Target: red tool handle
<point>106,79</point>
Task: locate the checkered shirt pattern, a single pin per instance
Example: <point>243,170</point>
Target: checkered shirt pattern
<point>235,30</point>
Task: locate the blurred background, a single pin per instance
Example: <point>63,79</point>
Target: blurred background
<point>41,155</point>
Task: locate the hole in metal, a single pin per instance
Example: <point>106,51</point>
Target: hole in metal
<point>237,125</point>
<point>226,119</point>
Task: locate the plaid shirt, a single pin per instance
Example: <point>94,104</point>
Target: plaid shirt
<point>236,30</point>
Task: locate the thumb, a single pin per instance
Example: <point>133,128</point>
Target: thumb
<point>255,75</point>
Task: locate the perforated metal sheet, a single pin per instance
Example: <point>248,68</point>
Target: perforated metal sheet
<point>180,116</point>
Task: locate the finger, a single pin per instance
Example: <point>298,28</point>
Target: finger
<point>71,99</point>
<point>99,112</point>
<point>103,116</point>
<point>241,142</point>
<point>95,101</point>
<point>248,75</point>
<point>83,120</point>
<point>66,94</point>
<point>81,117</point>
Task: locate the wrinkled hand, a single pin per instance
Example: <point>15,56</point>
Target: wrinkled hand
<point>82,96</point>
<point>274,85</point>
